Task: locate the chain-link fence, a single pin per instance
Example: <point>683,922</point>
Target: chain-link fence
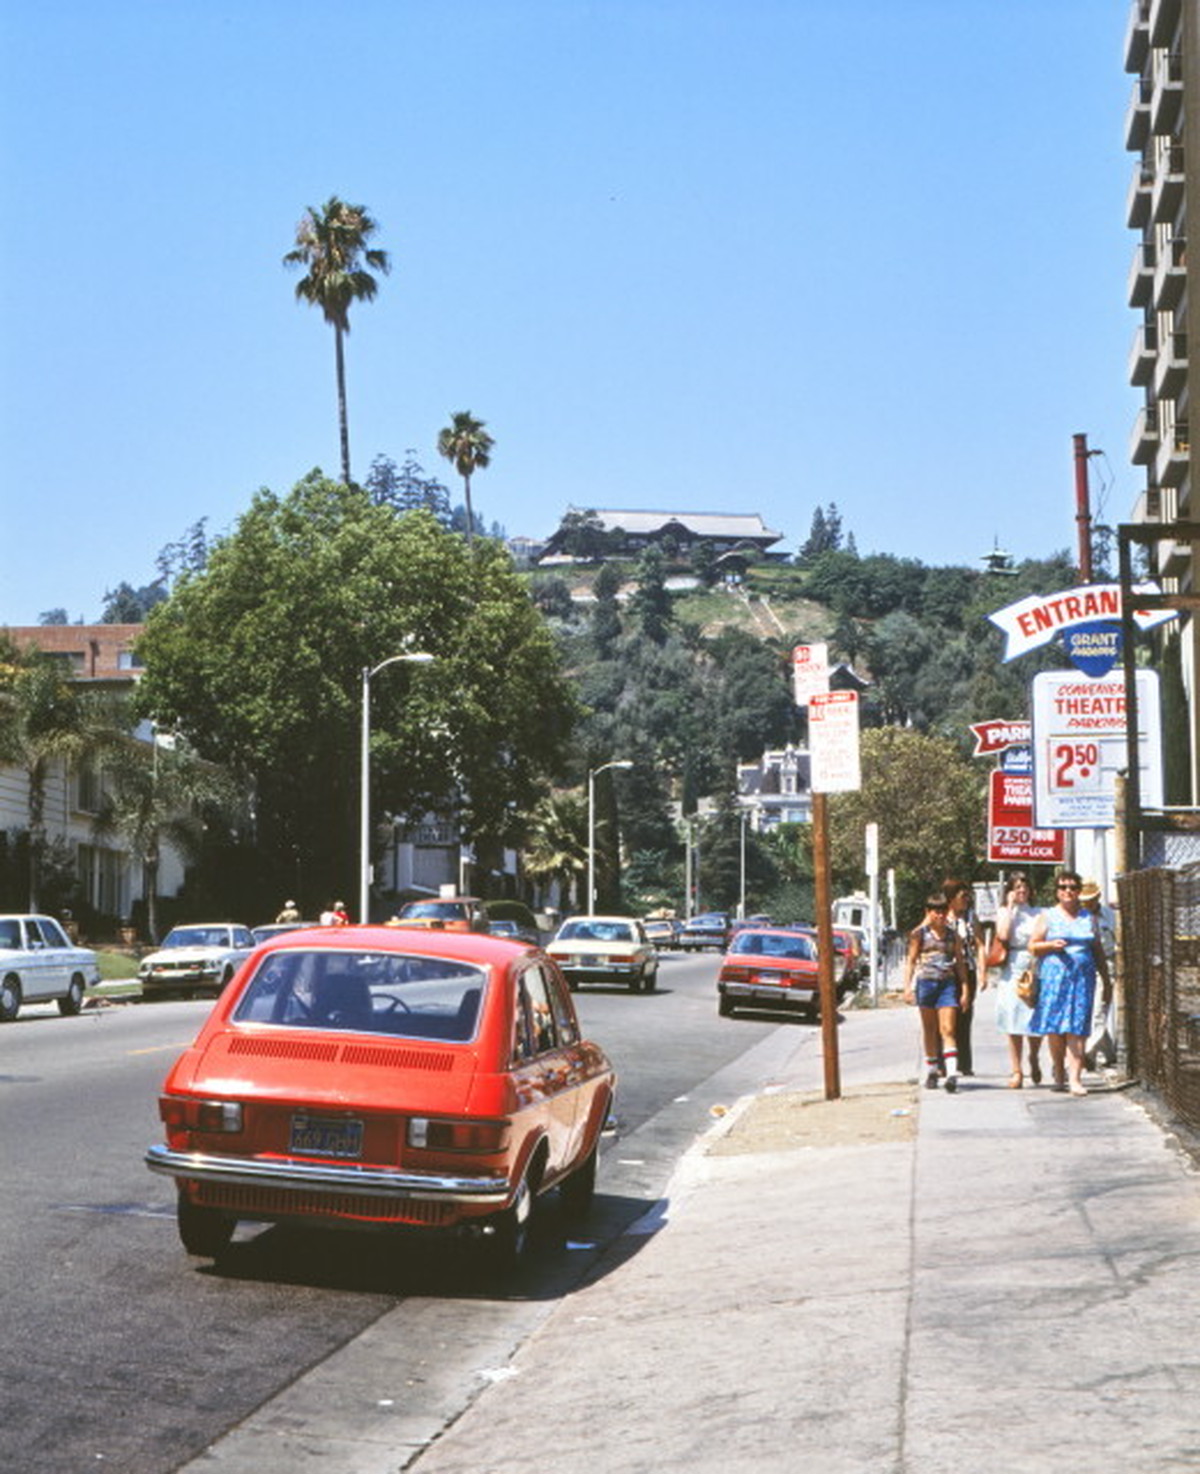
<point>1160,968</point>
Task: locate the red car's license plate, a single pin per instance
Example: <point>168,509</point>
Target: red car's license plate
<point>326,1136</point>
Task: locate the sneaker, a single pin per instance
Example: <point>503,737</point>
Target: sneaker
<point>931,1080</point>
<point>951,1084</point>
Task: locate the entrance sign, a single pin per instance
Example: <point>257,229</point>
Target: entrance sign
<point>1013,839</point>
<point>1036,620</point>
<point>833,742</point>
<point>1079,746</point>
<point>810,672</point>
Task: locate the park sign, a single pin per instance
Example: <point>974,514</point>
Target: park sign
<point>997,736</point>
<point>1036,620</point>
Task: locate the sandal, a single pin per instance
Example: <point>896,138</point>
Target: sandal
<point>1016,1080</point>
<point>1035,1071</point>
<point>1077,1088</point>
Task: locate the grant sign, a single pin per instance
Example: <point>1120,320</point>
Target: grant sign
<point>1079,746</point>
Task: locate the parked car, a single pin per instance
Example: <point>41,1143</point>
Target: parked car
<point>514,931</point>
<point>770,967</point>
<point>385,1078</point>
<point>605,949</point>
<point>849,965</point>
<point>276,929</point>
<point>445,913</point>
<point>39,963</point>
<point>712,929</point>
<point>662,932</point>
<point>203,957</point>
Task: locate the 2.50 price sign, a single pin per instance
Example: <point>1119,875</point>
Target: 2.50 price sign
<point>1013,838</point>
<point>1079,746</point>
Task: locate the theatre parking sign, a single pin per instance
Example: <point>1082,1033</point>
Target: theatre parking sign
<point>1079,746</point>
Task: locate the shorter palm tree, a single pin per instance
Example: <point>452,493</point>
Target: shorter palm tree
<point>160,795</point>
<point>556,847</point>
<point>465,442</point>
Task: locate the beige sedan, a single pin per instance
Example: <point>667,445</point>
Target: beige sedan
<point>605,949</point>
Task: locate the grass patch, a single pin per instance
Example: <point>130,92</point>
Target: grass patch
<point>114,966</point>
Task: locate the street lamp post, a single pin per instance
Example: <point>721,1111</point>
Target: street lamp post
<point>418,657</point>
<point>592,772</point>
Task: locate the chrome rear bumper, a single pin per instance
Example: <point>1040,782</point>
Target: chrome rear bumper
<point>291,1172</point>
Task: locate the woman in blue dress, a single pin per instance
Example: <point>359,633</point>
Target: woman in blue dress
<point>1014,928</point>
<point>1066,945</point>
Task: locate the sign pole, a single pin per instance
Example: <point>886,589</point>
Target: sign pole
<point>829,1039</point>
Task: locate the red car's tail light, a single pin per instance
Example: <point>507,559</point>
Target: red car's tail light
<point>735,974</point>
<point>181,1114</point>
<point>437,1134</point>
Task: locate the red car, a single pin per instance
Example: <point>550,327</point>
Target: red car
<point>770,967</point>
<point>379,1077</point>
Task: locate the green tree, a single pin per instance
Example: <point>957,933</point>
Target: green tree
<point>928,801</point>
<point>331,246</point>
<point>466,443</point>
<point>258,663</point>
<point>651,603</point>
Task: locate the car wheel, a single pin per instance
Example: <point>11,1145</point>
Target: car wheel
<point>10,998</point>
<point>724,1006</point>
<point>577,1191</point>
<point>73,1001</point>
<point>650,979</point>
<point>510,1230</point>
<point>203,1231</point>
<point>226,979</point>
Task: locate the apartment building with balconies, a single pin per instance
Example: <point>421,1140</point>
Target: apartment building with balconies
<point>1162,130</point>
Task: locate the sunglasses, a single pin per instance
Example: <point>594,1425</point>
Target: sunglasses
<point>1067,885</point>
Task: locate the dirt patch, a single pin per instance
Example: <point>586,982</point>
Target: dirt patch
<point>866,1115</point>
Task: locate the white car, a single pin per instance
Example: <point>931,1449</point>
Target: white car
<point>39,962</point>
<point>605,949</point>
<point>204,956</point>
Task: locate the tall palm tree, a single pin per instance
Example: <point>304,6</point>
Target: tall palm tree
<point>465,442</point>
<point>556,848</point>
<point>331,243</point>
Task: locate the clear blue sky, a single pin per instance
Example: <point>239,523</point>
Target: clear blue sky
<point>720,255</point>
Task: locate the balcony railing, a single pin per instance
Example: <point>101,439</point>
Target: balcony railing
<point>1168,184</point>
<point>1170,274</point>
<point>1143,444</point>
<point>1141,190</point>
<point>1143,354</point>
<point>1140,287</point>
<point>1137,115</point>
<point>1173,456</point>
<point>1171,366</point>
<point>1137,37</point>
<point>1166,94</point>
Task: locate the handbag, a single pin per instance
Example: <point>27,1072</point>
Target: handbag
<point>996,953</point>
<point>1027,987</point>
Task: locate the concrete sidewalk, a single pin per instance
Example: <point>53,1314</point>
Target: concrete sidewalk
<point>992,1282</point>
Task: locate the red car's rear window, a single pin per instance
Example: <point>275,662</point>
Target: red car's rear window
<point>372,992</point>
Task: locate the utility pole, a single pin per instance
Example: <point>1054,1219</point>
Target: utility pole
<point>1083,510</point>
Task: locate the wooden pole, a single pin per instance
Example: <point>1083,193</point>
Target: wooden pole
<point>825,953</point>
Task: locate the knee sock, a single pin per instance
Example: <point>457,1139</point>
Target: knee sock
<point>951,1058</point>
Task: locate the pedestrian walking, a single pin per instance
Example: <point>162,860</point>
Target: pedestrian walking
<point>1014,931</point>
<point>935,978</point>
<point>962,919</point>
<point>1066,943</point>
